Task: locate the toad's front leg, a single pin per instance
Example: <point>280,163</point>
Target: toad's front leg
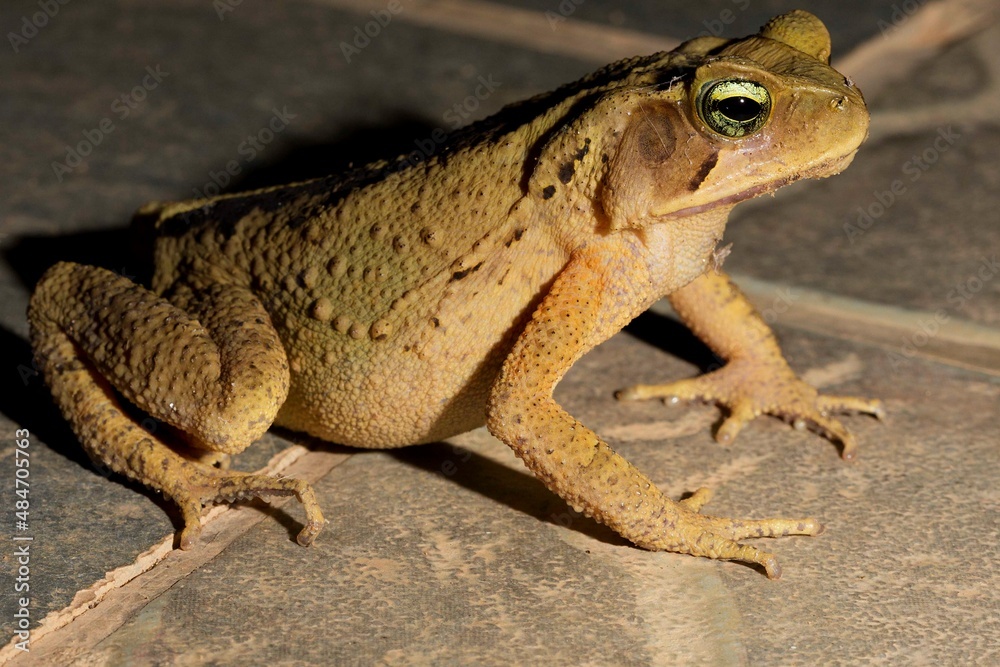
<point>757,379</point>
<point>589,301</point>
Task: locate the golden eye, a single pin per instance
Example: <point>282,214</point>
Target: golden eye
<point>734,107</point>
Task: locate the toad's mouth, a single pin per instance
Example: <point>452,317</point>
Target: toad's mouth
<point>822,169</point>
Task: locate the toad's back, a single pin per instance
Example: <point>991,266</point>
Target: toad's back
<point>398,290</point>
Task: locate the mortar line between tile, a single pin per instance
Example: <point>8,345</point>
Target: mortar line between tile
<point>98,611</point>
<point>546,32</point>
<point>934,335</point>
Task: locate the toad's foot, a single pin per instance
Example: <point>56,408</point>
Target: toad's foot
<point>717,537</point>
<point>748,389</point>
<point>202,485</point>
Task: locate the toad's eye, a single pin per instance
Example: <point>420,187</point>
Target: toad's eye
<point>733,107</point>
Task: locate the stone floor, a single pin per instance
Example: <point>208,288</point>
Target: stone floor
<point>461,556</point>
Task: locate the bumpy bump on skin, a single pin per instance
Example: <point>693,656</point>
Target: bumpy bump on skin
<point>308,277</point>
<point>336,267</point>
<point>431,237</point>
<point>321,309</point>
<point>381,329</point>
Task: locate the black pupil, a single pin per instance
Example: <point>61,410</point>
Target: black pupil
<point>738,108</point>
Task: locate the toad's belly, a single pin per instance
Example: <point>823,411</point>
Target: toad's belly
<point>385,403</point>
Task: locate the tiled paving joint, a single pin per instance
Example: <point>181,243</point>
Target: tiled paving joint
<point>905,333</point>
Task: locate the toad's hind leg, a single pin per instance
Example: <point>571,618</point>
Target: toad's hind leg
<point>218,377</point>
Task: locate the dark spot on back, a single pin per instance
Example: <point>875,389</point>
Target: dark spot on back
<point>518,233</point>
<point>458,275</point>
<point>566,172</point>
<point>548,192</point>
